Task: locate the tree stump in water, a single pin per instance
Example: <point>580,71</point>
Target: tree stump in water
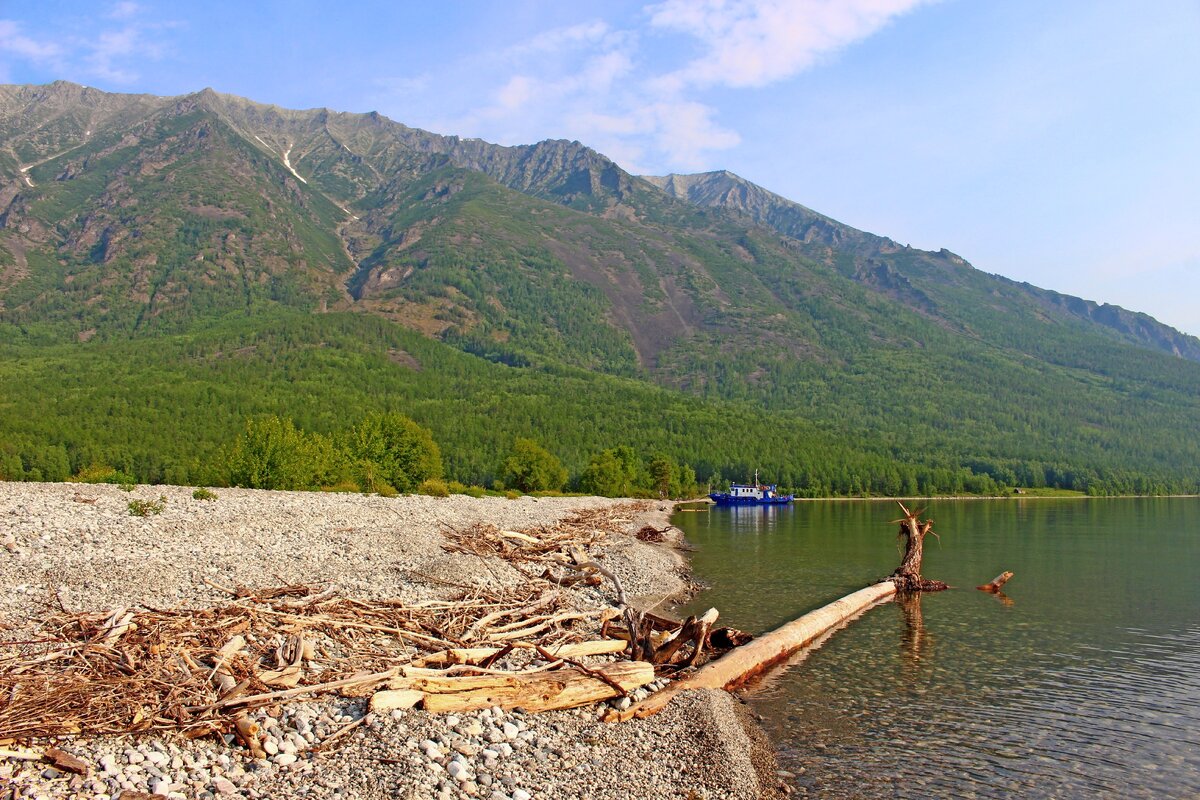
<point>907,576</point>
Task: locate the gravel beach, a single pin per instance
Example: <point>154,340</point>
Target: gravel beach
<point>77,547</point>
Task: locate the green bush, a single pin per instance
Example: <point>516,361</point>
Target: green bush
<point>146,508</point>
<point>475,491</point>
<point>532,468</point>
<point>512,494</point>
<point>127,487</point>
<point>204,494</point>
<point>434,487</point>
<point>102,473</point>
<point>617,472</point>
<point>392,449</point>
<point>272,454</point>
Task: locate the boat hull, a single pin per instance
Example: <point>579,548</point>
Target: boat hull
<point>723,499</point>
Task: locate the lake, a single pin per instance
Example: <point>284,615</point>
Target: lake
<point>1082,680</point>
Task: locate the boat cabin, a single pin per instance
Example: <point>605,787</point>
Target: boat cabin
<point>743,490</point>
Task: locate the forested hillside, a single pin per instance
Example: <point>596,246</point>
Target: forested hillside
<point>170,267</point>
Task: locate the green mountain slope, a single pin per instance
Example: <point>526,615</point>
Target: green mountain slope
<point>131,225</point>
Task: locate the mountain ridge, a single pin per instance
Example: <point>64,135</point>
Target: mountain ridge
<point>134,217</point>
<point>724,189</point>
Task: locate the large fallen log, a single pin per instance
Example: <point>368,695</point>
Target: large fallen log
<point>532,691</point>
<point>743,663</point>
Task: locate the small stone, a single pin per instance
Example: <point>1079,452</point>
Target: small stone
<point>287,747</point>
<point>134,757</point>
<point>285,759</point>
<point>521,794</point>
<point>472,728</point>
<point>271,747</point>
<point>457,770</point>
<point>452,721</point>
<point>161,785</point>
<point>490,754</point>
<point>624,703</point>
<point>224,786</point>
<point>50,773</point>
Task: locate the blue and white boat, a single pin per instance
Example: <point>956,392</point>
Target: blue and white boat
<point>751,494</point>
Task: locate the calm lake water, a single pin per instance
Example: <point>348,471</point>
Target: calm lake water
<point>1083,681</point>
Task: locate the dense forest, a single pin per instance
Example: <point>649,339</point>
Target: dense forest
<point>171,408</point>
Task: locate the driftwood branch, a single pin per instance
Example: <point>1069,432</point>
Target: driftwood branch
<point>994,585</point>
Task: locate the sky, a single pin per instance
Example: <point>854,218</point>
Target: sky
<point>1055,143</point>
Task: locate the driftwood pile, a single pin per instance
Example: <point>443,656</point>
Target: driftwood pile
<point>199,672</point>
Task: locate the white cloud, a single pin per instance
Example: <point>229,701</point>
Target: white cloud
<point>686,133</point>
<point>111,51</point>
<point>633,96</point>
<point>750,43</point>
<point>513,95</point>
<point>557,39</point>
<point>124,10</point>
<point>15,43</point>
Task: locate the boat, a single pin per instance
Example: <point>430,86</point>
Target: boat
<point>751,494</point>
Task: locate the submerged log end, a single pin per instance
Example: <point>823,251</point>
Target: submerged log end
<point>996,583</point>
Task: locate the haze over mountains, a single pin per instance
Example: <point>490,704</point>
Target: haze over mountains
<point>132,218</point>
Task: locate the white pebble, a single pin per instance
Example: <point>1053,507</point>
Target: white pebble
<point>285,759</point>
<point>521,794</point>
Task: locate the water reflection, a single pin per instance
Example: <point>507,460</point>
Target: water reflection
<point>915,641</point>
<point>1088,685</point>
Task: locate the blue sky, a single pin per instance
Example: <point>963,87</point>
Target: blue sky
<point>1057,143</point>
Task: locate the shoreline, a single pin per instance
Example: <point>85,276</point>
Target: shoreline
<point>76,545</point>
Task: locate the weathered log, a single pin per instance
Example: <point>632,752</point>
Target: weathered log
<point>392,699</point>
<point>477,655</point>
<point>531,691</point>
<point>994,585</point>
<point>743,663</point>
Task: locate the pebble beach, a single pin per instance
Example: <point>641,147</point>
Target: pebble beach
<point>77,548</point>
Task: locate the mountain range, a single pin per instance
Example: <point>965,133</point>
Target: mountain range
<point>134,226</point>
